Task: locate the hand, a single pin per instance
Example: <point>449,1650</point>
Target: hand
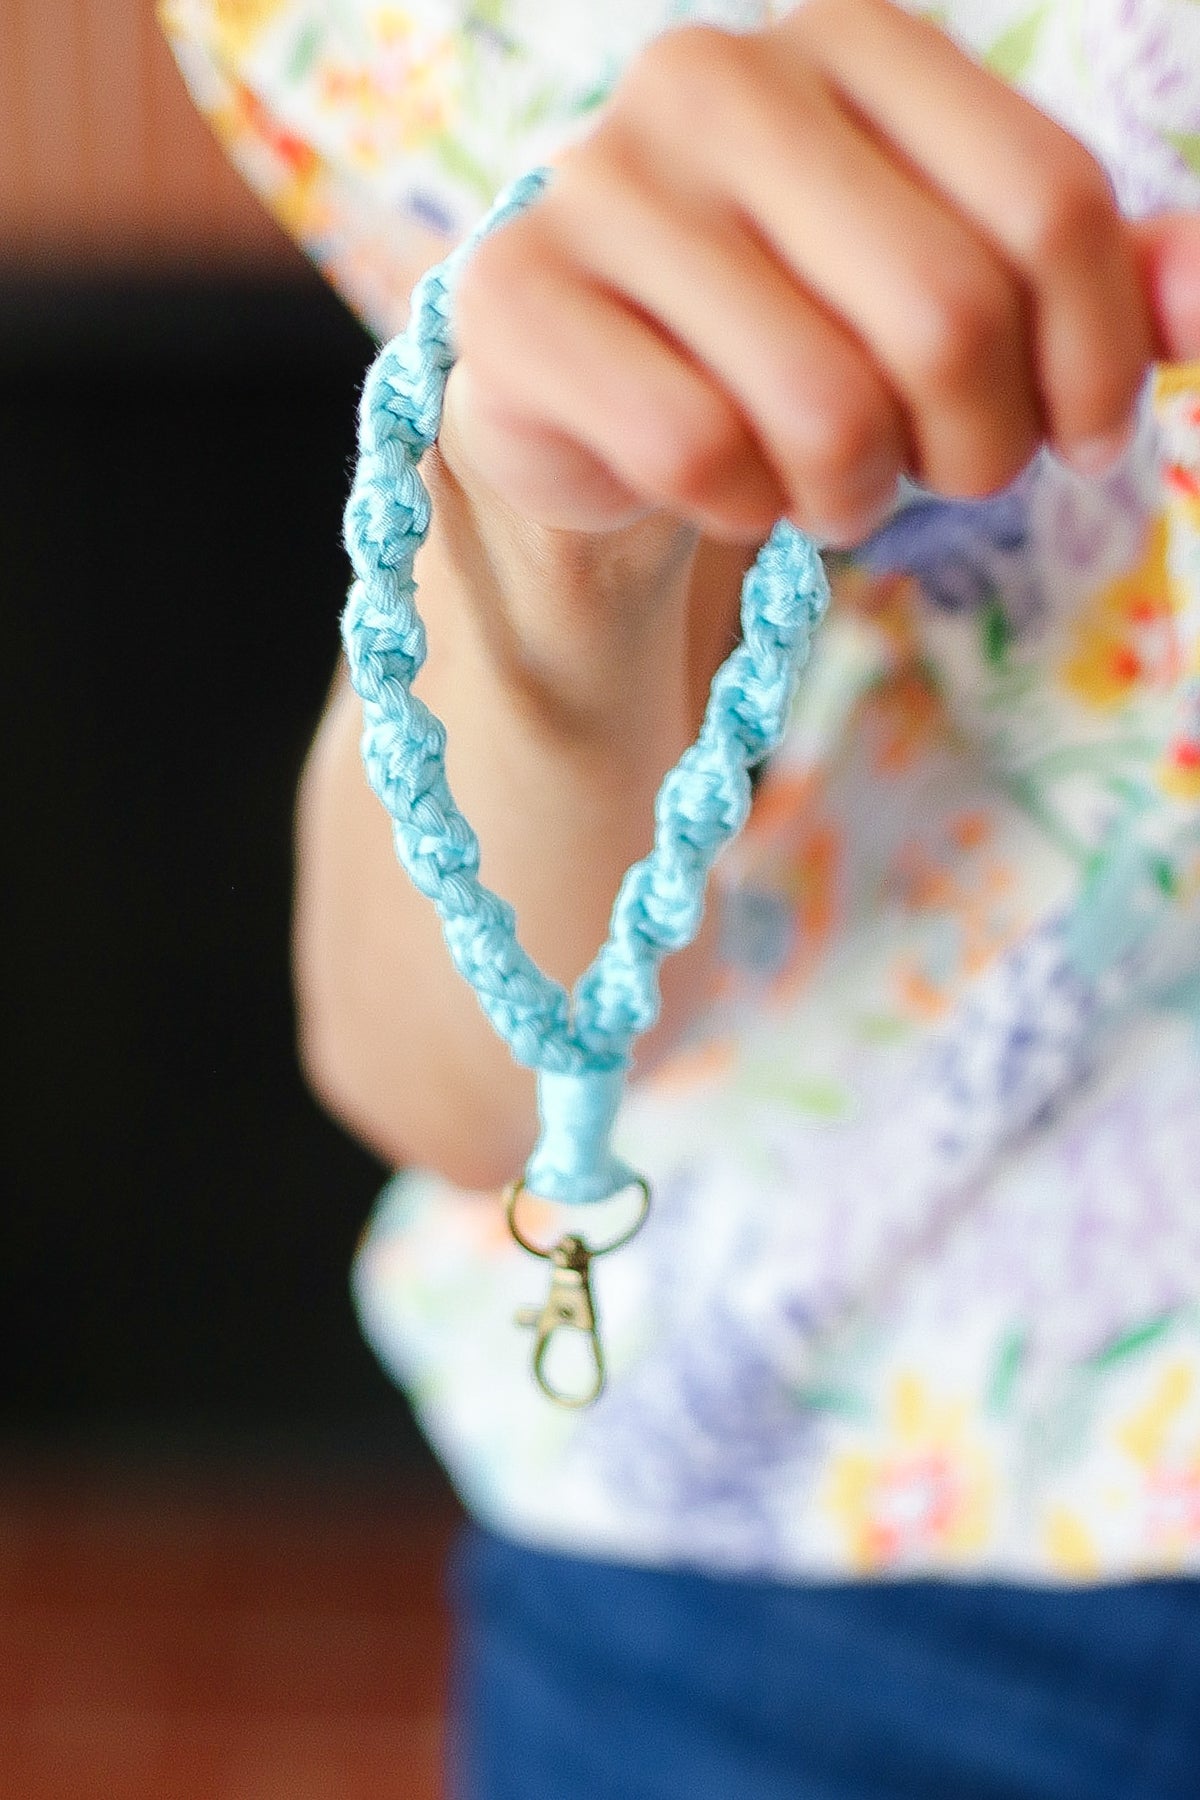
<point>786,267</point>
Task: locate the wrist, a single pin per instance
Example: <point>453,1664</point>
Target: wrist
<point>574,630</point>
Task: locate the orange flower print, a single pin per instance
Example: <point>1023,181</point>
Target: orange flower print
<point>1173,1507</point>
<point>1177,405</point>
<point>695,1066</point>
<point>969,830</point>
<point>1183,485</point>
<point>293,187</point>
<point>794,853</point>
<point>1179,771</point>
<point>810,883</point>
<point>783,798</point>
<point>890,601</point>
<point>295,154</point>
<point>925,1494</point>
<point>905,716</point>
<point>966,892</point>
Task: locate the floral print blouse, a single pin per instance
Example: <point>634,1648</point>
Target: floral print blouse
<point>921,1290</point>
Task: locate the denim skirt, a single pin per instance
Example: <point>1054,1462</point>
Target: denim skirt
<point>582,1680</point>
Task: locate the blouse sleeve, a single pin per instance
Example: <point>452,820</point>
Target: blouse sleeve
<point>376,132</point>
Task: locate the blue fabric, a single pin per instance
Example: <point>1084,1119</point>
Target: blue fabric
<point>586,1681</point>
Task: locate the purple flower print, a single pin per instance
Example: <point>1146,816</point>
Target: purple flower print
<point>1143,96</point>
<point>966,554</point>
<point>689,1442</point>
<point>427,209</point>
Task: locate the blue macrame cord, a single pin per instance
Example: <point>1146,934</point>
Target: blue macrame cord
<point>579,1043</point>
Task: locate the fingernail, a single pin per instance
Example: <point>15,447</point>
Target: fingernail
<point>847,532</point>
<point>1098,456</point>
<point>856,523</point>
<point>863,506</point>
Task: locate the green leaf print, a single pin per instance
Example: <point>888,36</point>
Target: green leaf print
<point>459,162</point>
<point>537,109</point>
<point>598,93</point>
<point>998,1398</point>
<point>1130,1342</point>
<point>487,15</point>
<point>1164,875</point>
<point>883,1028</point>
<point>997,633</point>
<point>843,1403</point>
<point>812,1094</point>
<point>1187,143</point>
<point>1012,52</point>
<point>304,51</point>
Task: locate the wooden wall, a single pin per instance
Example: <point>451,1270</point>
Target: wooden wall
<point>103,159</point>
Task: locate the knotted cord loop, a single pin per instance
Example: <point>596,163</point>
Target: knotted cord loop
<point>579,1044</point>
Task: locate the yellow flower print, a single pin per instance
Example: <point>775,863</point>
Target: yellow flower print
<point>1130,1502</point>
<point>401,94</point>
<point>1070,1547</point>
<point>237,23</point>
<point>1165,1445</point>
<point>925,1495</point>
<point>1126,637</point>
<point>1174,379</point>
<point>1144,1435</point>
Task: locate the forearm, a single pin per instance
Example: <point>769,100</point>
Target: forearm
<point>569,672</point>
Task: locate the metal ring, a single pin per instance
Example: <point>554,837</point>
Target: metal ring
<point>515,1189</point>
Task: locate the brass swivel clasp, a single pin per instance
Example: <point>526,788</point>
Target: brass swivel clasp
<point>568,1306</point>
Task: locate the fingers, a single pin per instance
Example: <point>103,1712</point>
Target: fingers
<point>941,314</point>
<point>553,358</point>
<point>882,259</point>
<point>1032,191</point>
<point>822,415</point>
<point>540,472</point>
<point>1168,253</point>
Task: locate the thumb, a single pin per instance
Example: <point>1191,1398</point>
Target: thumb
<point>1168,252</point>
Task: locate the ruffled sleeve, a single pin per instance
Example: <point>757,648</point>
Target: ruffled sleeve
<point>378,132</point>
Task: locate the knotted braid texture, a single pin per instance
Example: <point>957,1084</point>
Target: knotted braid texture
<point>702,803</point>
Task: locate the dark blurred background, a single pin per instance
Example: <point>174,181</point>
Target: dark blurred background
<point>176,412</point>
<point>177,394</point>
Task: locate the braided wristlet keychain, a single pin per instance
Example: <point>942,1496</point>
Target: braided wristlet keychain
<point>578,1044</point>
